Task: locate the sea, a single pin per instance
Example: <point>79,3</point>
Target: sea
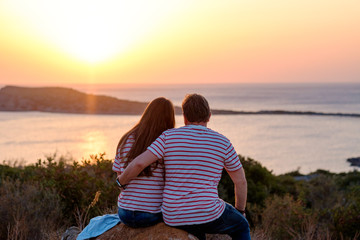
<point>281,143</point>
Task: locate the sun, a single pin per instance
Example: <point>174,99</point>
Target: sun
<point>92,30</point>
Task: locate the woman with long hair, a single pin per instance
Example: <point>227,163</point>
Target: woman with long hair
<point>139,202</point>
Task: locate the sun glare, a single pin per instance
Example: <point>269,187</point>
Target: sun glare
<point>92,31</point>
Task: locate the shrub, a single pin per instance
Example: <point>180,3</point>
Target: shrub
<point>260,183</point>
<point>286,218</point>
<point>77,184</point>
<point>73,187</point>
<point>56,192</point>
<point>28,210</point>
<point>323,192</point>
<point>346,218</point>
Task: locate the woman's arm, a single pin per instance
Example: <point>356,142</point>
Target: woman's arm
<point>136,166</point>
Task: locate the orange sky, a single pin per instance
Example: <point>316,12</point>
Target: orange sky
<point>251,41</point>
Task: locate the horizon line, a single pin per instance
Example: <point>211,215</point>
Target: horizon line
<point>174,84</point>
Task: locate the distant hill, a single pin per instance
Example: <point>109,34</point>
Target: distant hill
<point>64,100</point>
<point>67,100</point>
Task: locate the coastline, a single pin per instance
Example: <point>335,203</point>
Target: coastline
<point>67,100</point>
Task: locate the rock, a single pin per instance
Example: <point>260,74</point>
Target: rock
<point>157,232</point>
<point>305,177</point>
<point>354,161</point>
<point>71,233</point>
<point>217,237</point>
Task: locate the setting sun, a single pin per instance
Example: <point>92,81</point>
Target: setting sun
<point>116,41</point>
<point>91,31</point>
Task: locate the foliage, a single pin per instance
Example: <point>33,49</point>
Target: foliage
<point>74,186</point>
<point>321,205</point>
<point>284,217</point>
<point>56,193</point>
<point>346,217</point>
<point>78,183</point>
<point>25,208</point>
<point>261,183</point>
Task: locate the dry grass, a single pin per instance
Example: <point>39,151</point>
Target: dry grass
<point>286,218</point>
<point>82,216</point>
<point>28,211</point>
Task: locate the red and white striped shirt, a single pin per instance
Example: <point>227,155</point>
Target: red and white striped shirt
<point>194,157</point>
<point>142,193</point>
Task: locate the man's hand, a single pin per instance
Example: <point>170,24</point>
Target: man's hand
<point>242,212</point>
<point>136,166</point>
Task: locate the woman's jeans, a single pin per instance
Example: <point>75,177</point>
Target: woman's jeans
<point>137,219</point>
<point>231,222</point>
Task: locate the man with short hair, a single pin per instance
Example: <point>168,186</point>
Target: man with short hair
<point>194,157</point>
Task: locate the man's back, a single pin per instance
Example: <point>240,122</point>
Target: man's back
<point>194,157</point>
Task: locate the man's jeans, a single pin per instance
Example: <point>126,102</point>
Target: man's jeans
<point>138,219</point>
<point>231,222</point>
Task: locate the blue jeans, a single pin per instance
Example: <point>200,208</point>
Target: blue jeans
<point>137,219</point>
<point>231,222</point>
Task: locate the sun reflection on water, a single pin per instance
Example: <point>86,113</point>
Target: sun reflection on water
<point>93,142</point>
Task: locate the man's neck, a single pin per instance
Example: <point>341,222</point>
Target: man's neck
<point>197,123</point>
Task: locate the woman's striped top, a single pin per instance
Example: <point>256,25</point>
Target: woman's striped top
<point>142,193</point>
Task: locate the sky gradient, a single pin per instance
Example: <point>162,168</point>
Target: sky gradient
<point>88,42</point>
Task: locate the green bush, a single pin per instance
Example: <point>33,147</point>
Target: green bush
<point>261,183</point>
<point>322,205</point>
<point>259,180</point>
<point>74,186</point>
<point>56,193</point>
<point>346,217</point>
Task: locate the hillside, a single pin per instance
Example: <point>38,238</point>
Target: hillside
<point>64,100</point>
<point>67,100</point>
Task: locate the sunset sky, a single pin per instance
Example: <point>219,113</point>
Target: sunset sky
<point>61,42</point>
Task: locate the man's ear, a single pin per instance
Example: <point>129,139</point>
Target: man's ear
<point>209,118</point>
<point>186,122</point>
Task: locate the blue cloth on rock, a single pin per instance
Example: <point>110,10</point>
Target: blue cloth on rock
<point>98,225</point>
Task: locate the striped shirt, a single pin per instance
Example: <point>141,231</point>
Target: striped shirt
<point>142,193</point>
<point>194,157</point>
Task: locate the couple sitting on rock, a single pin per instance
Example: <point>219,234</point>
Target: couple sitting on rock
<point>172,174</point>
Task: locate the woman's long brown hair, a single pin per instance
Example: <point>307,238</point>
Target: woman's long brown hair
<point>158,116</point>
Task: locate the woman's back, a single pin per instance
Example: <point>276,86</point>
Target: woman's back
<point>139,203</point>
<point>143,193</point>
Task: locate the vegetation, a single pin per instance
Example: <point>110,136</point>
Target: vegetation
<point>52,194</point>
<point>41,200</point>
<point>321,205</point>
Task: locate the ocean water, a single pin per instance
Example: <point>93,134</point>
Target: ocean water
<point>282,143</point>
<point>344,98</point>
